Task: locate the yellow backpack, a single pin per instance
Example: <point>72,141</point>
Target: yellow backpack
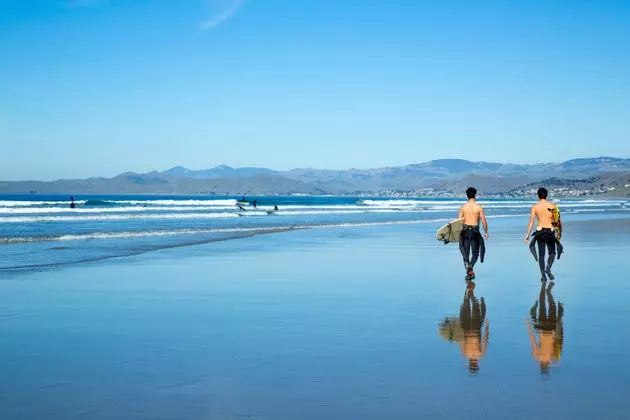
<point>555,213</point>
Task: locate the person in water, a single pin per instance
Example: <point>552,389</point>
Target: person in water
<point>471,241</point>
<point>544,236</point>
<point>275,208</point>
<point>467,329</point>
<point>546,319</point>
<point>72,205</point>
<point>255,203</point>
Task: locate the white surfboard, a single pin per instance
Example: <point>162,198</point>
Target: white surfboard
<point>451,231</point>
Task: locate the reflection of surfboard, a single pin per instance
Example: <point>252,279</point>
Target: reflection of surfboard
<point>451,231</point>
<point>557,225</point>
<point>451,330</point>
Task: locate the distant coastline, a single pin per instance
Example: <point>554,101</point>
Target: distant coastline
<point>439,178</point>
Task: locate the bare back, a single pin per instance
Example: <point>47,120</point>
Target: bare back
<point>542,211</point>
<point>471,212</point>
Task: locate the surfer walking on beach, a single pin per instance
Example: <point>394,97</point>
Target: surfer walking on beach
<point>545,234</point>
<point>471,241</point>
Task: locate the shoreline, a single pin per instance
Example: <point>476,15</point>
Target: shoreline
<point>246,233</point>
<point>481,197</point>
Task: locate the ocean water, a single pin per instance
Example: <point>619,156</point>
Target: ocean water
<point>42,230</point>
<point>330,308</point>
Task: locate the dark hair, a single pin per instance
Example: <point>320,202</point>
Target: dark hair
<point>544,368</point>
<point>471,192</point>
<point>473,366</point>
<point>542,193</point>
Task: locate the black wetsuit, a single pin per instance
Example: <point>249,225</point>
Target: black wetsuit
<point>543,319</point>
<point>471,241</point>
<point>546,239</point>
<point>472,315</point>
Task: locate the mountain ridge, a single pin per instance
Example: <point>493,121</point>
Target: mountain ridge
<point>438,174</point>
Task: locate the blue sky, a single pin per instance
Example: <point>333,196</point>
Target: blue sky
<point>98,87</point>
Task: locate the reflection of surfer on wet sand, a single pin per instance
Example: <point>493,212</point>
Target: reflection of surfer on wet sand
<point>467,329</point>
<point>546,319</point>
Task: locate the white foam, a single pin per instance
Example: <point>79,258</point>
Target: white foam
<point>298,213</point>
<point>211,202</point>
<point>84,210</point>
<point>390,203</point>
<point>111,217</point>
<point>5,203</point>
<point>125,235</point>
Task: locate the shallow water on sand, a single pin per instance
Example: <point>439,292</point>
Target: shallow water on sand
<point>349,322</point>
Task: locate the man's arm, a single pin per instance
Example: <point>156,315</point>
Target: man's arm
<point>486,337</point>
<point>532,339</point>
<point>484,222</point>
<point>461,213</point>
<point>532,216</point>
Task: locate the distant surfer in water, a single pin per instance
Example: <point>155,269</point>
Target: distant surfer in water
<point>544,235</point>
<point>72,205</point>
<point>275,208</point>
<point>255,203</point>
<point>471,240</point>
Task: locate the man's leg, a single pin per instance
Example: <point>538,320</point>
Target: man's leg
<point>464,314</point>
<point>476,320</point>
<point>542,309</point>
<point>541,257</point>
<point>474,246</point>
<point>464,248</point>
<point>551,247</point>
<point>553,311</point>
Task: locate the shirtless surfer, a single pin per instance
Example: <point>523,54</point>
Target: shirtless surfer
<point>471,240</point>
<point>544,236</point>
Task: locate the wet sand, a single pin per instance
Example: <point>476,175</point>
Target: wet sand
<point>324,323</point>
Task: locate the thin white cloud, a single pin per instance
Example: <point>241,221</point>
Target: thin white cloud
<point>84,3</point>
<point>223,15</point>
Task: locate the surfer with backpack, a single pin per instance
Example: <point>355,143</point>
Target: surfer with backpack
<point>547,233</point>
<point>471,241</point>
